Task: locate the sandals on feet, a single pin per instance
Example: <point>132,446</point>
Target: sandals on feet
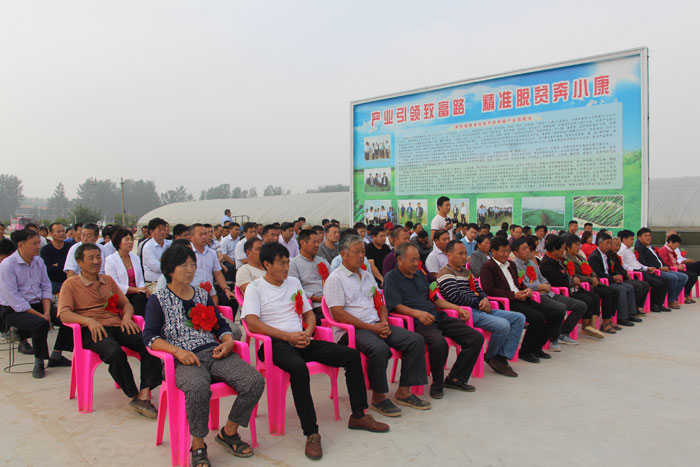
<point>199,457</point>
<point>234,444</point>
<point>608,328</point>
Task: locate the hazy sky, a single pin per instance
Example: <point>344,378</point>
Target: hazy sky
<point>255,93</point>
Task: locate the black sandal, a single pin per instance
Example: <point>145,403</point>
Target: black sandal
<point>608,328</point>
<point>199,457</point>
<point>234,444</point>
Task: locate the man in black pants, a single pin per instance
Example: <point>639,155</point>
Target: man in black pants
<point>407,292</point>
<point>25,301</point>
<point>499,278</point>
<point>106,329</point>
<point>268,310</point>
<point>659,285</point>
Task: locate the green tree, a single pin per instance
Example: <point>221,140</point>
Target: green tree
<point>140,196</point>
<point>275,191</point>
<point>82,213</point>
<point>222,191</point>
<point>59,204</point>
<point>101,195</point>
<point>329,189</point>
<point>11,194</point>
<point>178,195</point>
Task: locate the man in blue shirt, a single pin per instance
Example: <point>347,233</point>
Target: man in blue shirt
<point>469,239</point>
<point>25,301</point>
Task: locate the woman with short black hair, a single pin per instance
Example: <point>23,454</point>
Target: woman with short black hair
<point>183,321</point>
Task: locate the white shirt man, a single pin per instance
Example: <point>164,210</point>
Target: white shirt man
<point>629,259</point>
<point>151,254</point>
<point>72,265</point>
<point>272,304</point>
<point>228,246</point>
<point>436,260</point>
<point>440,223</point>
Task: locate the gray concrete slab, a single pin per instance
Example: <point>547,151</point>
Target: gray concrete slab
<point>630,399</point>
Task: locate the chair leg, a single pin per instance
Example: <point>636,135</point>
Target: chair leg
<point>162,412</point>
<point>276,402</point>
<point>214,415</point>
<point>253,429</point>
<point>334,392</point>
<point>73,379</point>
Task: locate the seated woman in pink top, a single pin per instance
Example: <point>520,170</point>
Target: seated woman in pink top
<point>668,255</point>
<point>125,268</point>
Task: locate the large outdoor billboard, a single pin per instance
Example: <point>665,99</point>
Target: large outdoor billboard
<point>536,146</point>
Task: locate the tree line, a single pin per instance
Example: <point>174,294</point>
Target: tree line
<point>101,199</point>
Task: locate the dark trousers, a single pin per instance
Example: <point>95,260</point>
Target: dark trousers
<point>471,341</point>
<point>659,288</point>
<point>609,298</point>
<point>543,324</point>
<point>38,328</point>
<point>692,271</point>
<point>293,361</point>
<point>378,353</point>
<point>138,301</point>
<point>592,301</point>
<point>641,289</point>
<point>110,351</point>
<point>562,304</point>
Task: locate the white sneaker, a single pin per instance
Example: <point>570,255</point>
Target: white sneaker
<point>554,346</point>
<point>564,339</point>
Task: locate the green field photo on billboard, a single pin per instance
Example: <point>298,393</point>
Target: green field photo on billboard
<point>544,210</point>
<point>601,211</point>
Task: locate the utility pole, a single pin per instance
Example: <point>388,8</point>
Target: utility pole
<point>123,211</point>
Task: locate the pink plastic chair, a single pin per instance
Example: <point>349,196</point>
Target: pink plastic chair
<point>239,295</point>
<point>277,380</point>
<point>83,367</point>
<point>408,324</point>
<point>565,292</point>
<point>637,275</point>
<point>328,321</point>
<point>173,399</point>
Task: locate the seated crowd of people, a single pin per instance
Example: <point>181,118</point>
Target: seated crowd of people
<point>445,287</point>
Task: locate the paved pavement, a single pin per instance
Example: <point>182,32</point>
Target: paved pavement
<point>628,400</point>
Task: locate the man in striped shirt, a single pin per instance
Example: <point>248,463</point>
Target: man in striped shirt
<point>506,327</point>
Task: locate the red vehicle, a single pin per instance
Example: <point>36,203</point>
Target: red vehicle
<point>18,222</point>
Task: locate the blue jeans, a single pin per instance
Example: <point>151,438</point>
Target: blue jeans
<point>505,327</point>
<point>678,280</point>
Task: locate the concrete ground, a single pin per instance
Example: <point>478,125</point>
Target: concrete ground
<point>628,400</point>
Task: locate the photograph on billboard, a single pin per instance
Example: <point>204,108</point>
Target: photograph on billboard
<point>541,146</point>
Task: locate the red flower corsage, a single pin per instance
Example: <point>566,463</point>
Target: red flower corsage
<point>323,271</point>
<point>203,317</point>
<point>112,304</point>
<point>206,286</point>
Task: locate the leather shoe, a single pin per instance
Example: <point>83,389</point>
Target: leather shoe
<point>528,357</point>
<point>625,322</point>
<point>664,308</point>
<point>55,362</point>
<point>634,319</point>
<point>500,365</point>
<point>436,392</point>
<point>655,309</point>
<point>38,371</point>
<point>542,354</point>
<point>367,423</point>
<point>25,348</point>
<point>313,447</point>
